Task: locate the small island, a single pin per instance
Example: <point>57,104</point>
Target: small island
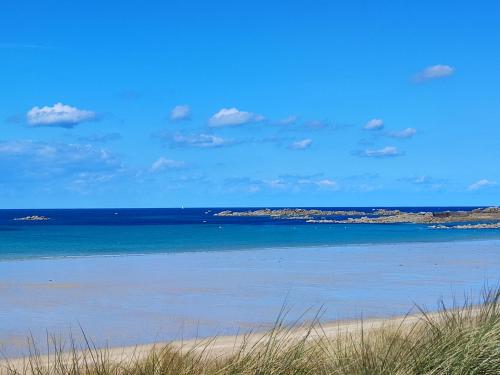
<point>287,213</point>
<point>468,226</point>
<point>32,218</point>
<point>490,215</point>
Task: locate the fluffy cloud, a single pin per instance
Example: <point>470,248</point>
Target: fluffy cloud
<point>301,145</point>
<point>405,133</point>
<point>32,160</point>
<point>233,117</point>
<point>374,124</point>
<point>163,163</point>
<point>200,140</point>
<point>58,115</point>
<point>180,113</point>
<point>434,72</point>
<point>389,151</point>
<point>481,184</point>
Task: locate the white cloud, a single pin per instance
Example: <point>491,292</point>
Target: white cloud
<point>277,183</point>
<point>28,159</point>
<point>405,133</point>
<point>233,117</point>
<point>201,140</point>
<point>163,163</point>
<point>327,183</point>
<point>481,184</point>
<point>374,124</point>
<point>58,115</point>
<point>434,72</point>
<point>180,112</point>
<point>324,183</point>
<point>388,151</point>
<point>301,145</point>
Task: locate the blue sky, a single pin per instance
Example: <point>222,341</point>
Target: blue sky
<point>261,103</point>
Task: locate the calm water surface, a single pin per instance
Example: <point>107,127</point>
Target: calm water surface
<point>146,231</point>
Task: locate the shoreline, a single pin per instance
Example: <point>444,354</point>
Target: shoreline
<point>252,249</point>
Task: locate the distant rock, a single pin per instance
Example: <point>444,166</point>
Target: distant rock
<point>288,213</point>
<point>494,210</point>
<point>32,218</point>
<point>379,216</point>
<point>404,217</point>
<point>468,226</point>
<point>384,212</point>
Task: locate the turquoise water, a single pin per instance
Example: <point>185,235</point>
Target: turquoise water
<point>121,232</point>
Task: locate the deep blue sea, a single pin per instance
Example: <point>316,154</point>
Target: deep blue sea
<point>92,232</point>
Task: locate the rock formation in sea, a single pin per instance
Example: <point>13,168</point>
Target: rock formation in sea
<point>379,216</point>
<point>32,218</point>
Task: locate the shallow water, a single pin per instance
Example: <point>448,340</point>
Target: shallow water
<point>139,299</point>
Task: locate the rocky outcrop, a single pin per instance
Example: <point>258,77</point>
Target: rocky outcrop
<point>390,219</point>
<point>290,213</point>
<point>32,218</point>
<point>380,216</point>
<point>487,210</point>
<point>384,212</point>
<point>404,217</point>
<point>478,215</point>
<point>468,226</point>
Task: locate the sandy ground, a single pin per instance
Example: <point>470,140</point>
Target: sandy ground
<point>226,345</point>
<point>123,301</point>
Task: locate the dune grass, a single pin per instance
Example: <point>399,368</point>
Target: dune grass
<point>463,340</point>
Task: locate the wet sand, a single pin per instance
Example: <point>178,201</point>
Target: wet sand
<point>133,300</point>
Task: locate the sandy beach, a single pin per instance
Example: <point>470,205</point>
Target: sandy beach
<point>134,300</point>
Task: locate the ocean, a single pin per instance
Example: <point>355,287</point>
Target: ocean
<point>99,232</point>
